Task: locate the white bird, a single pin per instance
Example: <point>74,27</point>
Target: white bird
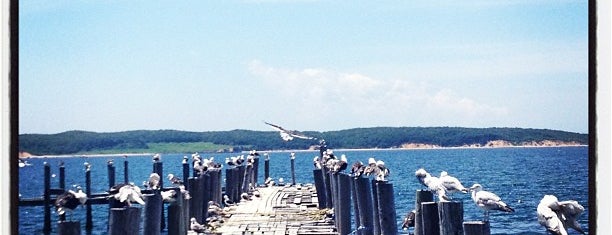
<point>565,214</point>
<point>156,157</point>
<point>383,171</point>
<point>288,135</point>
<point>127,193</point>
<point>196,227</point>
<point>153,181</point>
<point>174,180</point>
<point>316,162</point>
<point>451,183</point>
<point>432,183</point>
<point>548,218</point>
<point>168,195</point>
<point>488,201</point>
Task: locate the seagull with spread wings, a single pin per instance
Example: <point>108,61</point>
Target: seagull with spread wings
<point>288,135</point>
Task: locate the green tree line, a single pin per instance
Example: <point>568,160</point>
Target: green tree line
<point>75,142</point>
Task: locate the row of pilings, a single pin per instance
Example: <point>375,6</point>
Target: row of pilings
<point>202,188</point>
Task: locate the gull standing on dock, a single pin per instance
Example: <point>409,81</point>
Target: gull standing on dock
<point>288,135</point>
<point>488,201</point>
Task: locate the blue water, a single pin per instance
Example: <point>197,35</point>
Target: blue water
<point>520,176</point>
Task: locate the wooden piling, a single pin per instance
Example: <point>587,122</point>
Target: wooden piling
<point>319,186</point>
<point>328,190</point>
<point>421,196</point>
<point>158,167</point>
<point>47,198</point>
<point>69,228</point>
<point>62,176</point>
<point>334,196</point>
<point>386,208</point>
<point>292,170</point>
<point>248,173</point>
<point>266,167</point>
<point>124,221</point>
<point>88,213</point>
<point>356,212</point>
<point>152,213</point>
<point>451,217</point>
<point>185,174</point>
<point>344,203</point>
<point>430,221</point>
<point>195,204</point>
<point>176,218</point>
<point>125,170</point>
<point>205,194</point>
<point>111,174</point>
<point>241,173</point>
<point>476,228</point>
<point>364,201</point>
<point>375,212</point>
<point>215,186</point>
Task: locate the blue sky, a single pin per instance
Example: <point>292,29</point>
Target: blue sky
<point>110,66</point>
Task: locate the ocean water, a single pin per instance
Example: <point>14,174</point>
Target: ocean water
<point>520,176</point>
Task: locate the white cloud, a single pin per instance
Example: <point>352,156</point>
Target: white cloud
<point>367,100</point>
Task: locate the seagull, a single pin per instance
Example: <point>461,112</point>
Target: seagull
<point>316,162</point>
<point>357,169</point>
<point>153,181</point>
<point>69,200</point>
<point>409,220</point>
<point>288,135</point>
<point>557,216</point>
<point>488,201</point>
<point>156,157</point>
<point>174,180</point>
<point>127,193</point>
<point>451,184</point>
<point>432,183</point>
<point>168,195</point>
<point>383,171</point>
<point>196,227</point>
<point>227,201</point>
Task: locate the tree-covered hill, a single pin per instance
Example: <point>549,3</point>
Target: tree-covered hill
<point>79,142</point>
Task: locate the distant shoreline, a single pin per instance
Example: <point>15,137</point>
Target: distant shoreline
<point>303,150</point>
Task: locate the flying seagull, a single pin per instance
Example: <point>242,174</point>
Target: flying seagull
<point>288,135</point>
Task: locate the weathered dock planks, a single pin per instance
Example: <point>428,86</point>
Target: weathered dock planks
<point>279,210</point>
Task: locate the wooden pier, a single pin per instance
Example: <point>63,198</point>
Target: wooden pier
<point>279,210</point>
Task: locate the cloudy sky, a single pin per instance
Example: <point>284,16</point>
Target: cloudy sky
<point>110,66</point>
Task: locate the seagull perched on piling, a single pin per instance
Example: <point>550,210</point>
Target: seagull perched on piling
<point>409,220</point>
<point>288,135</point>
<point>488,201</point>
<point>126,194</point>
<point>174,180</point>
<point>432,183</point>
<point>153,182</point>
<point>557,216</point>
<point>451,184</point>
<point>69,200</point>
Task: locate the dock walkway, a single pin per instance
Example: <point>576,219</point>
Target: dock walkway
<point>279,210</point>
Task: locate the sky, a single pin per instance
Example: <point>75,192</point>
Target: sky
<point>308,65</point>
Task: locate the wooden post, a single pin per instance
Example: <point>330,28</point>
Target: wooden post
<point>430,221</point>
<point>229,175</point>
<point>176,218</point>
<point>319,186</point>
<point>204,181</point>
<point>386,208</point>
<point>451,217</point>
<point>344,202</point>
<point>356,212</point>
<point>124,221</point>
<point>240,181</point>
<point>477,228</point>
<point>69,228</point>
<point>364,199</point>
<point>214,186</point>
<point>328,189</point>
<point>375,210</point>
<point>246,179</point>
<point>421,196</point>
<point>111,174</point>
<point>47,198</point>
<point>62,176</point>
<point>292,170</point>
<point>255,171</point>
<point>185,174</point>
<point>195,204</point>
<point>125,170</point>
<point>266,167</point>
<point>158,167</point>
<point>236,183</point>
<point>88,215</point>
<point>334,196</point>
<point>152,213</point>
